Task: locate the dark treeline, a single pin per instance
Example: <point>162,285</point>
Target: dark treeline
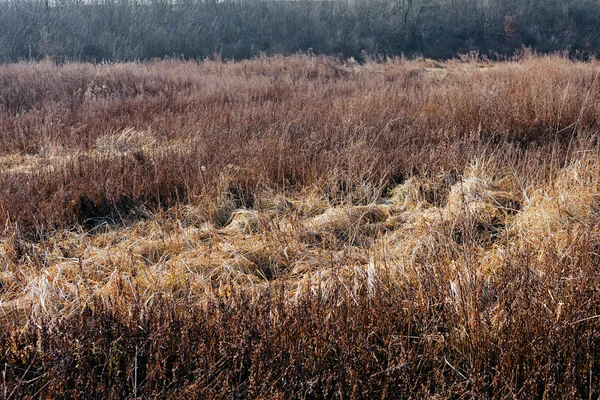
<point>131,29</point>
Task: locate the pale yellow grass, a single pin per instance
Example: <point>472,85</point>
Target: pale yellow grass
<point>466,231</point>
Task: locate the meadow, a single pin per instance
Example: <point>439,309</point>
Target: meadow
<point>300,227</point>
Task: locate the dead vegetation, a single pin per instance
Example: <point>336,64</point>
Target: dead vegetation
<point>276,228</point>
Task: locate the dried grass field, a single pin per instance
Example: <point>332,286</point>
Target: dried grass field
<point>300,227</point>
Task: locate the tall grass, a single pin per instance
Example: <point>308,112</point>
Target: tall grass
<point>300,228</point>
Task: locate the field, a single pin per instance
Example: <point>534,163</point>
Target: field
<point>300,227</point>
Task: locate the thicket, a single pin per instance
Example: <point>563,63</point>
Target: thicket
<point>130,29</point>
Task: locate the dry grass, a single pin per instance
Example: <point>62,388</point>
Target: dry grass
<point>297,227</point>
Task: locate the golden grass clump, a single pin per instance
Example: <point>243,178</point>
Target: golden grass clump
<point>275,205</point>
<point>554,213</point>
<point>245,221</point>
<point>414,193</point>
<point>481,199</point>
<point>343,220</point>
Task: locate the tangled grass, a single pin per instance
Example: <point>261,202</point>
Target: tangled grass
<point>300,228</point>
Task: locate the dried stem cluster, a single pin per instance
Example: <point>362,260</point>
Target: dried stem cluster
<point>300,228</point>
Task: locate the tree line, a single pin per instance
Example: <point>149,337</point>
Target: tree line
<point>119,30</point>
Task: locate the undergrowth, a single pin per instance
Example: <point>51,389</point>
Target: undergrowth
<point>300,227</point>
